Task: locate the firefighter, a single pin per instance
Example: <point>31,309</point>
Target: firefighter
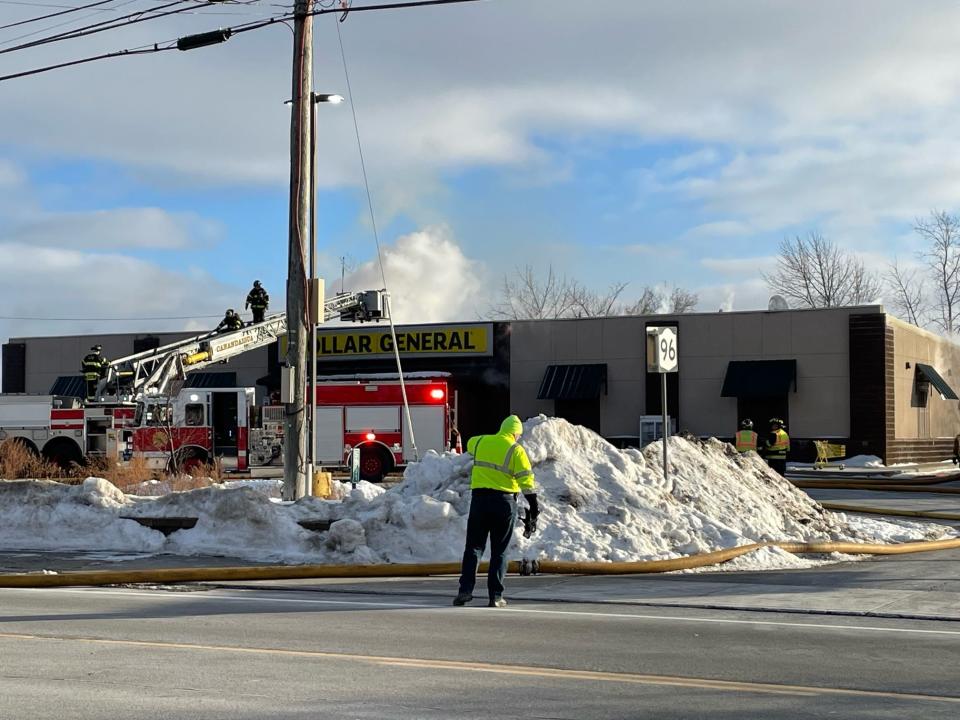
<point>746,438</point>
<point>257,300</point>
<point>777,446</point>
<point>94,366</point>
<point>501,469</point>
<point>231,321</point>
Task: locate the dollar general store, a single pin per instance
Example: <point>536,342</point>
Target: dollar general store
<point>856,376</point>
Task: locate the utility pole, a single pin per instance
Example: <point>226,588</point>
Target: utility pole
<point>294,444</point>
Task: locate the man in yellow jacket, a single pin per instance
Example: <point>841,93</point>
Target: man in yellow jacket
<point>501,469</point>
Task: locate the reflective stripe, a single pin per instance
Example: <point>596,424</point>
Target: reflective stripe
<point>523,473</point>
<point>505,467</point>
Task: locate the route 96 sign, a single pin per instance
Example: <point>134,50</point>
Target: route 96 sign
<point>662,349</point>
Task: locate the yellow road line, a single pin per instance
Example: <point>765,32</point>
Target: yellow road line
<point>526,670</point>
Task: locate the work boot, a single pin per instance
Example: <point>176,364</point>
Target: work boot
<point>462,598</point>
<point>497,601</point>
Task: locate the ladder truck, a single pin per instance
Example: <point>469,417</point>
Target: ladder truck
<point>141,408</point>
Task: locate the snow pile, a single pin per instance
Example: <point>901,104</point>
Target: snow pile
<point>598,503</point>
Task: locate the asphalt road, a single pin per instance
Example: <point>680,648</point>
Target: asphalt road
<point>266,653</point>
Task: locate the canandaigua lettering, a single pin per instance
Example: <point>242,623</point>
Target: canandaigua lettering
<point>442,340</point>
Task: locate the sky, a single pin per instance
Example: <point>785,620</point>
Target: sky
<point>619,141</point>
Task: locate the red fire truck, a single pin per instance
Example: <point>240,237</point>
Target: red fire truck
<point>142,408</point>
<point>367,412</point>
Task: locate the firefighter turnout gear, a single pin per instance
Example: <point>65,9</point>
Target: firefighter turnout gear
<point>501,469</point>
<point>94,366</point>
<point>258,301</point>
<point>746,440</point>
<point>778,445</point>
<point>231,321</point>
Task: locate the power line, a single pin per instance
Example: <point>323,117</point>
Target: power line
<point>109,319</point>
<point>224,32</point>
<point>56,14</point>
<point>103,26</point>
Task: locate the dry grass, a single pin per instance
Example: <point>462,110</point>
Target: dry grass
<point>18,462</point>
<point>125,475</point>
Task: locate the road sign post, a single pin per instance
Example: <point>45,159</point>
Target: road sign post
<point>662,357</point>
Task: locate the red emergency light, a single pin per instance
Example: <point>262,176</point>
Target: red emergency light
<point>437,393</point>
<point>371,436</point>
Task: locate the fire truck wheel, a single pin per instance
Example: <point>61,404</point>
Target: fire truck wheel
<point>187,460</point>
<point>64,452</point>
<point>375,463</point>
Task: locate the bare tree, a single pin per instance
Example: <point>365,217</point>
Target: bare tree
<point>587,303</point>
<point>942,231</point>
<point>648,303</point>
<point>681,301</point>
<point>908,293</point>
<point>525,296</point>
<point>815,273</point>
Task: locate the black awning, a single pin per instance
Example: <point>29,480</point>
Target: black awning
<point>70,386</point>
<point>573,382</point>
<point>933,377</point>
<point>759,378</point>
<point>211,380</point>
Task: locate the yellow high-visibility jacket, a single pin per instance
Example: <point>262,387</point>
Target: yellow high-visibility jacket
<point>746,440</point>
<point>500,463</point>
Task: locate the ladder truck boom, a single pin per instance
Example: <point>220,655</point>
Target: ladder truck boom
<point>152,372</point>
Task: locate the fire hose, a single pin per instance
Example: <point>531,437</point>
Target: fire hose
<point>522,567</point>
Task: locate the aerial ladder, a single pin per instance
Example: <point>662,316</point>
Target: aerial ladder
<point>155,372</point>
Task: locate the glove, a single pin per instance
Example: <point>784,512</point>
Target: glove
<point>534,504</point>
<point>530,517</point>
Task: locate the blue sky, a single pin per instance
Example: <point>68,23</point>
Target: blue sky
<point>616,140</point>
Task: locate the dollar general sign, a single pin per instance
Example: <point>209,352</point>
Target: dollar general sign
<point>422,341</point>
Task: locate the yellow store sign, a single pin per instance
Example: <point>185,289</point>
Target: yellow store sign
<point>422,341</point>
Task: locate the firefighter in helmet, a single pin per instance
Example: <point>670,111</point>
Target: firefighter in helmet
<point>257,300</point>
<point>777,446</point>
<point>231,321</point>
<point>94,366</point>
<point>746,438</point>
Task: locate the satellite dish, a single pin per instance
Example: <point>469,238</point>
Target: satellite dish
<point>777,303</point>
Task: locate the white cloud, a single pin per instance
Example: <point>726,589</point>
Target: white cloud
<point>429,278</point>
<point>83,289</point>
<point>120,228</point>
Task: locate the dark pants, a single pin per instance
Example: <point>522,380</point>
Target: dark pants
<point>779,465</point>
<point>258,314</point>
<point>92,388</point>
<point>492,513</point>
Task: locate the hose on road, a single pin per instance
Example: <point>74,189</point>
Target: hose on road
<point>933,514</point>
<point>163,576</point>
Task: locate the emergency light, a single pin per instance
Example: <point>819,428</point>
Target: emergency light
<point>436,394</point>
<point>371,436</point>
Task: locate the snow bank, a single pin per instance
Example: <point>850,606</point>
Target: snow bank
<point>598,503</point>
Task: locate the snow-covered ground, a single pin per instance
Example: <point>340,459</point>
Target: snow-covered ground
<point>598,503</point>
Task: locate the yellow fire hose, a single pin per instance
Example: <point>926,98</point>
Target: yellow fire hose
<point>934,514</point>
<point>302,572</point>
<point>801,480</point>
<point>899,487</point>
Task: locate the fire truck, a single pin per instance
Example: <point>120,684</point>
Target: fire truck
<point>366,412</point>
<point>142,409</point>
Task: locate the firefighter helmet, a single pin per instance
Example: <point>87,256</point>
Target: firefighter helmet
<point>776,422</point>
<point>96,348</point>
<point>747,424</point>
<point>256,283</point>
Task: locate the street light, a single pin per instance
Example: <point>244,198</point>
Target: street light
<point>315,303</point>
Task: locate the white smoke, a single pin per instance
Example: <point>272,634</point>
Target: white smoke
<point>428,276</point>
